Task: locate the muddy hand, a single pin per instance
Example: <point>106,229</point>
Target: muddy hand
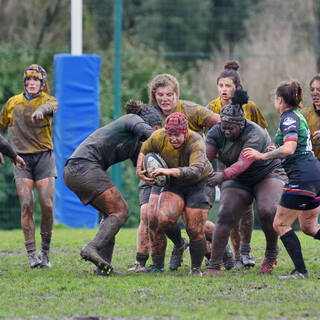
<point>2,162</point>
<point>19,162</point>
<point>37,116</point>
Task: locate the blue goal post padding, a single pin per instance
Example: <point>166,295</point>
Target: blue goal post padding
<point>76,86</point>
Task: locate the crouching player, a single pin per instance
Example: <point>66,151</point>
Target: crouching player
<point>184,152</point>
<point>84,174</point>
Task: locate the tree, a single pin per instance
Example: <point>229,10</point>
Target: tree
<point>178,27</point>
<point>315,31</point>
<point>229,19</point>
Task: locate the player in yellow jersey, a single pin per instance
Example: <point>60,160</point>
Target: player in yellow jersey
<point>186,194</point>
<point>28,118</point>
<point>312,115</point>
<point>228,81</point>
<point>164,92</point>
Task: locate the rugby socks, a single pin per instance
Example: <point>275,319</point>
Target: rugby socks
<point>174,234</point>
<point>272,253</point>
<point>197,251</point>
<point>30,246</point>
<point>108,228</point>
<point>215,262</point>
<point>107,251</point>
<point>45,240</point>
<point>317,236</point>
<point>142,258</point>
<point>158,260</point>
<point>293,247</point>
<point>245,249</point>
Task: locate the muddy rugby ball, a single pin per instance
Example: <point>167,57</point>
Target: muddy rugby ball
<point>153,161</point>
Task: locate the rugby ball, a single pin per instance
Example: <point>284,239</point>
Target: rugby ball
<point>153,161</point>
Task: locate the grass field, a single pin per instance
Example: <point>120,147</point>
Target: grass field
<point>69,290</point>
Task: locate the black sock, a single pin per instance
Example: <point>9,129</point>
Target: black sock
<point>173,232</point>
<point>158,260</point>
<point>108,228</point>
<point>197,250</point>
<point>45,240</point>
<point>142,258</point>
<point>293,246</point>
<point>317,236</point>
<point>107,251</point>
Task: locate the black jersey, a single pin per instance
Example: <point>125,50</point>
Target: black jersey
<point>252,136</point>
<point>118,141</point>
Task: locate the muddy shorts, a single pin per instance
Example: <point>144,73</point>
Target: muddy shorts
<point>277,173</point>
<point>86,179</point>
<point>39,166</point>
<point>197,196</point>
<point>145,190</point>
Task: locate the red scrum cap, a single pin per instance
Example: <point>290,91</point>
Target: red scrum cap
<point>177,123</point>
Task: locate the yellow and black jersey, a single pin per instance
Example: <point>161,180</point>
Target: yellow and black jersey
<point>313,120</point>
<point>251,111</point>
<point>192,153</point>
<point>24,135</point>
<point>197,115</point>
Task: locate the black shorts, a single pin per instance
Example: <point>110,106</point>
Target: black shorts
<point>39,166</point>
<point>86,179</point>
<point>304,196</point>
<point>145,190</point>
<point>197,196</point>
<point>277,173</point>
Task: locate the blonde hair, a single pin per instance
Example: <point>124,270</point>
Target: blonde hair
<point>162,80</point>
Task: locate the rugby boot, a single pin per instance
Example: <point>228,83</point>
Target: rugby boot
<point>106,253</point>
<point>195,272</point>
<point>295,274</point>
<point>99,272</point>
<point>44,259</point>
<point>176,255</point>
<point>238,262</point>
<point>44,252</point>
<point>34,261</point>
<point>269,261</point>
<point>137,267</point>
<point>245,257</point>
<point>267,265</point>
<point>228,258</point>
<point>140,264</point>
<point>153,269</point>
<point>247,260</point>
<point>211,272</point>
<point>108,228</point>
<point>90,253</point>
